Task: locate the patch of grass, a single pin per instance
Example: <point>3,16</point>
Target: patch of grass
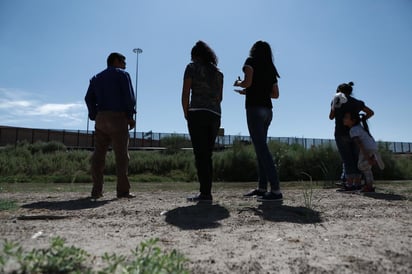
<point>8,205</point>
<point>148,258</point>
<point>46,187</point>
<point>58,258</point>
<point>308,191</point>
<point>77,177</point>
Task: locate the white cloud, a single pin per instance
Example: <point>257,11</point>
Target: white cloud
<point>19,108</point>
<point>10,104</point>
<point>56,109</point>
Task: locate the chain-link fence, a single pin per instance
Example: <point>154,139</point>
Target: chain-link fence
<point>82,139</point>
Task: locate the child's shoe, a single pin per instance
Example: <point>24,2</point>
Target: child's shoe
<point>367,189</point>
<point>348,188</point>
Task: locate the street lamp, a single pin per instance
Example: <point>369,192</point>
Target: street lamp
<point>137,51</point>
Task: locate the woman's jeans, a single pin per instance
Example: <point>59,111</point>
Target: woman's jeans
<point>203,128</point>
<point>258,121</point>
<point>349,152</point>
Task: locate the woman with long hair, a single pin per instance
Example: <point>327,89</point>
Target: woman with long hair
<point>260,85</point>
<point>201,99</point>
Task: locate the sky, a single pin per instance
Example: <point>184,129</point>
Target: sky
<point>50,49</point>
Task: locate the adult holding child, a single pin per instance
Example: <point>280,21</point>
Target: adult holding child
<point>260,86</point>
<point>201,99</point>
<point>343,103</point>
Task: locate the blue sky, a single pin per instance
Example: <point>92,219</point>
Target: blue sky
<point>50,49</point>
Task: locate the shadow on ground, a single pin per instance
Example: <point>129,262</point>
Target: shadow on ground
<point>197,216</point>
<point>385,196</point>
<point>284,213</point>
<point>76,204</point>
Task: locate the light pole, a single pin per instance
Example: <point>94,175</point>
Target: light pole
<point>137,51</point>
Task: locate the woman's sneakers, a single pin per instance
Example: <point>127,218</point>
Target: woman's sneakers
<point>270,197</point>
<point>255,192</point>
<point>200,198</point>
<point>263,196</point>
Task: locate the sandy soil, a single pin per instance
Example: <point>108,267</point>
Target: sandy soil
<point>343,233</point>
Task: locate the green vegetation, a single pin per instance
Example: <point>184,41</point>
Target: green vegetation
<point>52,162</point>
<point>308,192</point>
<point>56,259</point>
<point>59,258</point>
<point>25,162</point>
<point>148,258</point>
<point>8,205</point>
<point>174,143</point>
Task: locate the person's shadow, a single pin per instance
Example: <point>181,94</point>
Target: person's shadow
<point>75,204</point>
<point>384,196</point>
<point>197,216</point>
<point>285,213</point>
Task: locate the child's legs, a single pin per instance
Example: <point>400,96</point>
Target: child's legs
<point>366,168</point>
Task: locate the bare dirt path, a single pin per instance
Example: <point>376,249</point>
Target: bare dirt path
<point>343,233</point>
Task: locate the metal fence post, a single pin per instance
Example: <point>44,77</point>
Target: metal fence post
<point>16,138</point>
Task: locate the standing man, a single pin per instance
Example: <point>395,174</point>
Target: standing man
<point>111,103</point>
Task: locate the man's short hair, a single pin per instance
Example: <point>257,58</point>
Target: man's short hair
<point>113,57</point>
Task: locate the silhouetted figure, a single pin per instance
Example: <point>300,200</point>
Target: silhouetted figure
<point>260,86</point>
<point>368,149</point>
<point>111,103</point>
<point>201,98</point>
<point>343,103</point>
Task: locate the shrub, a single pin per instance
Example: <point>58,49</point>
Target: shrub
<point>321,162</point>
<point>22,162</point>
<point>175,143</point>
<point>158,163</point>
<point>59,258</point>
<point>47,147</point>
<point>147,259</point>
<point>235,164</point>
<point>8,205</point>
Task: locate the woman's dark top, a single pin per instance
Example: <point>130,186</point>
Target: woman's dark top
<point>264,76</point>
<point>207,83</point>
<point>353,106</point>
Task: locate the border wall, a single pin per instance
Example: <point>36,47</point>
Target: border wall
<point>82,139</point>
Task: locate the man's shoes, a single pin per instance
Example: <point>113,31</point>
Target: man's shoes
<point>126,196</point>
<point>200,198</point>
<point>271,197</point>
<point>255,192</point>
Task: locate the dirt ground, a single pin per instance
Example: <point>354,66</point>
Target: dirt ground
<point>342,233</point>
